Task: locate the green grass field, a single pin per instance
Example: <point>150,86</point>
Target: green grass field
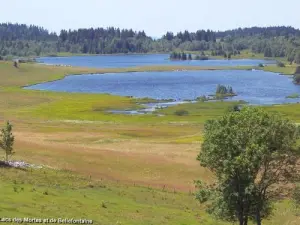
<point>46,193</point>
<point>112,169</point>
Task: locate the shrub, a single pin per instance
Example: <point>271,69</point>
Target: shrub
<point>223,90</point>
<point>296,196</point>
<point>202,98</point>
<point>260,65</point>
<point>234,108</point>
<point>201,57</point>
<point>103,205</point>
<point>280,64</point>
<point>296,78</point>
<point>181,112</point>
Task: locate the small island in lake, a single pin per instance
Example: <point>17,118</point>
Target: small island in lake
<point>223,91</point>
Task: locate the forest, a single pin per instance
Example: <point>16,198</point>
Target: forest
<point>23,41</point>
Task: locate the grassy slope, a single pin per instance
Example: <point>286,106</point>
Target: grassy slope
<point>160,153</point>
<point>61,194</point>
<point>58,194</point>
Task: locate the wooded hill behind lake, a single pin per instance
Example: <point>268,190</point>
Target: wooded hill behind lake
<point>23,40</point>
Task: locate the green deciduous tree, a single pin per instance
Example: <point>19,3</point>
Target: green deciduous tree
<point>7,140</point>
<point>291,57</point>
<point>297,57</point>
<point>268,52</point>
<point>250,152</point>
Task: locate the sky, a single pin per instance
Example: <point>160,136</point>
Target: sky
<point>155,17</point>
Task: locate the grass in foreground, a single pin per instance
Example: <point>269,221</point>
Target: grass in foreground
<point>48,193</point>
<point>60,194</point>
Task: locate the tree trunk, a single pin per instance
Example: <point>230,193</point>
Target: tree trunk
<point>6,157</point>
<point>241,219</point>
<point>258,218</point>
<point>246,220</point>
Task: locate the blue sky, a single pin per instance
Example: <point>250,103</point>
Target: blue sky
<point>154,16</point>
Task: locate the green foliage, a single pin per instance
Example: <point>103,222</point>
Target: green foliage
<point>103,205</point>
<point>22,40</point>
<point>201,57</point>
<point>296,78</point>
<point>268,52</point>
<point>223,90</point>
<point>183,56</point>
<point>7,140</point>
<point>234,108</point>
<point>229,55</point>
<point>280,64</point>
<point>291,57</point>
<point>260,65</point>
<point>180,56</point>
<point>296,196</point>
<point>249,152</point>
<point>202,98</point>
<point>181,112</point>
<point>297,58</point>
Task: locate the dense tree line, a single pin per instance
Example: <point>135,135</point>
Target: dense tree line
<point>266,32</point>
<point>23,40</point>
<point>18,32</point>
<point>104,41</point>
<point>200,35</point>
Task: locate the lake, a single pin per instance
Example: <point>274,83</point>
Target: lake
<point>255,87</point>
<point>123,61</point>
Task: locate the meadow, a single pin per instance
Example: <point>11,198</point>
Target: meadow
<point>113,169</point>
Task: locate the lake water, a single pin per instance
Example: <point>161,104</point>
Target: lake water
<point>255,87</point>
<point>122,61</point>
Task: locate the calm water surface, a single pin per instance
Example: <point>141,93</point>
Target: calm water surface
<point>122,61</point>
<point>255,87</point>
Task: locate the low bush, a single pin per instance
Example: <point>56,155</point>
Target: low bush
<point>181,112</point>
<point>260,65</point>
<point>202,98</point>
<point>296,78</point>
<point>280,64</point>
